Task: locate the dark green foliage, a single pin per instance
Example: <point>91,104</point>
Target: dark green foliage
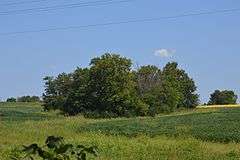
<point>78,94</point>
<point>28,99</point>
<point>56,91</point>
<point>109,88</point>
<point>162,98</point>
<point>223,97</point>
<point>12,99</point>
<point>217,126</point>
<point>167,90</point>
<point>24,99</point>
<point>55,149</point>
<point>68,92</point>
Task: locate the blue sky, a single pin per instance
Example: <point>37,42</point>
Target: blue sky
<point>207,46</point>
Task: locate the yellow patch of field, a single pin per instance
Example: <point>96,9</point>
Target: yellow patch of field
<point>220,106</point>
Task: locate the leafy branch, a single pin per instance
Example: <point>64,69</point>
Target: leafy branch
<point>54,149</point>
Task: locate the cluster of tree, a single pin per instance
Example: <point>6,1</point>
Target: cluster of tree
<point>12,99</point>
<point>24,99</point>
<point>110,88</point>
<point>223,97</point>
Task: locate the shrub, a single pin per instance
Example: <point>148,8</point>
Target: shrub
<point>28,99</point>
<point>12,99</point>
<point>54,149</point>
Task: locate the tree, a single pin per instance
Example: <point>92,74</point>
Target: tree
<point>35,99</point>
<point>12,99</point>
<point>28,99</point>
<point>67,92</point>
<point>161,98</point>
<point>78,99</point>
<point>147,77</point>
<point>50,95</point>
<point>56,91</point>
<point>223,97</point>
<point>184,85</point>
<point>167,90</point>
<point>113,88</point>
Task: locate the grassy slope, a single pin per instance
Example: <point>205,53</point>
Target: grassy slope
<point>120,139</point>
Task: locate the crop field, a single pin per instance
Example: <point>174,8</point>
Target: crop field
<point>217,126</point>
<point>22,111</point>
<point>220,106</point>
<point>207,133</point>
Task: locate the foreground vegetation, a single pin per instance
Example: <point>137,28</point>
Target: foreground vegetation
<point>195,134</point>
<point>54,148</point>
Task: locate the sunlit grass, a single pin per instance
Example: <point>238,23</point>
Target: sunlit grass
<point>220,106</point>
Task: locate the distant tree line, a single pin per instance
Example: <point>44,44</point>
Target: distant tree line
<point>24,99</point>
<point>223,97</point>
<point>109,87</point>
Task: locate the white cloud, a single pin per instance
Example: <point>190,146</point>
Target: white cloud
<point>164,53</point>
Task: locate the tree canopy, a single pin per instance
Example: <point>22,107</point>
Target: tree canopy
<point>24,99</point>
<point>109,87</point>
<point>12,99</point>
<point>223,97</point>
<point>28,99</point>
<point>168,89</point>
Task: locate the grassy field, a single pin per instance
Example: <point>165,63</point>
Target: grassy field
<point>209,133</point>
<point>22,112</point>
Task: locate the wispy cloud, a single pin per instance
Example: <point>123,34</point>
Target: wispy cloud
<point>164,52</point>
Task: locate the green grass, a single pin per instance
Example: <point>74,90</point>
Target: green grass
<point>196,134</point>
